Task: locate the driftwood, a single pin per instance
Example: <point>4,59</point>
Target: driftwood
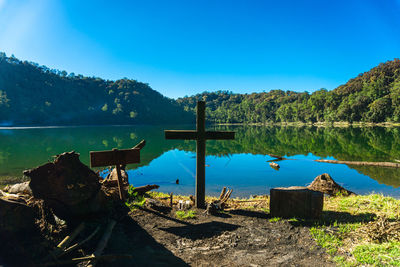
<point>103,242</point>
<point>325,184</point>
<point>69,238</point>
<point>143,189</point>
<point>77,245</point>
<point>295,201</point>
<point>361,163</point>
<point>219,204</point>
<point>86,258</point>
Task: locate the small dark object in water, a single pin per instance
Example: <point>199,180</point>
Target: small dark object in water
<point>274,165</point>
<point>177,181</point>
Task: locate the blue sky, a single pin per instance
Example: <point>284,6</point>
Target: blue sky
<point>186,47</point>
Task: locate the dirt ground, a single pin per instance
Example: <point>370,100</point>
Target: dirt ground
<point>236,238</point>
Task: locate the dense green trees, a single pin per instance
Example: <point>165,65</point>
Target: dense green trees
<point>373,96</point>
<point>36,95</point>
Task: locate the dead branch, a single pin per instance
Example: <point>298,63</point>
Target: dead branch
<point>362,163</point>
<point>222,193</point>
<point>69,238</point>
<point>77,245</point>
<point>103,242</point>
<point>91,257</point>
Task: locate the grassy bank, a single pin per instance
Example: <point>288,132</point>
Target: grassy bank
<point>355,230</point>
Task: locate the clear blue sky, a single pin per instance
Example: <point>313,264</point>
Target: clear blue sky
<point>189,46</point>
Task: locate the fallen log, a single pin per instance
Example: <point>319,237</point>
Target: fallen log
<point>361,163</point>
<point>143,189</point>
<point>325,184</point>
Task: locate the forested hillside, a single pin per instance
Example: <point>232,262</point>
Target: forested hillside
<point>373,96</point>
<point>36,95</point>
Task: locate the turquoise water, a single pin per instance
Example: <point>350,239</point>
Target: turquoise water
<point>240,164</point>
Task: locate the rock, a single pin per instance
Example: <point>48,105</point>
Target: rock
<point>296,201</point>
<point>325,184</point>
<point>67,186</point>
<point>16,216</point>
<point>21,188</point>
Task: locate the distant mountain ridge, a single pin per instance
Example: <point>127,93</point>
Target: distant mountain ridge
<point>36,95</point>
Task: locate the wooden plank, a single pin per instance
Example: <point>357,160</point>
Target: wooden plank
<point>178,134</point>
<point>108,158</point>
<point>220,135</point>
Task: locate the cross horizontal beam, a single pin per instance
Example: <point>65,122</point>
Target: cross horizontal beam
<point>194,135</point>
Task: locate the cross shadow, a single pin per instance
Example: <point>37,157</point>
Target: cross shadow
<point>130,238</point>
<point>164,216</point>
<point>251,213</point>
<point>203,230</point>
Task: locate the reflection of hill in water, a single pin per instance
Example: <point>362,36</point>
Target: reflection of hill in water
<point>357,144</point>
<point>387,176</point>
<point>22,149</point>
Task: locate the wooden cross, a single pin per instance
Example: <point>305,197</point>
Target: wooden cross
<point>200,135</point>
<point>117,157</point>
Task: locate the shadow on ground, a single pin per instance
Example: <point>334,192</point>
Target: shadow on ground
<point>202,230</point>
<point>251,213</point>
<point>129,238</point>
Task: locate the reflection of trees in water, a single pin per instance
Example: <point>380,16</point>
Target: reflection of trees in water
<point>387,176</point>
<point>28,148</point>
<point>361,144</point>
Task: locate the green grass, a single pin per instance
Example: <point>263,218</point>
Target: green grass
<point>385,254</point>
<point>134,200</point>
<point>184,215</point>
<point>275,219</point>
<point>339,230</point>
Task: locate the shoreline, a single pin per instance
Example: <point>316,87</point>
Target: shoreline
<point>337,124</point>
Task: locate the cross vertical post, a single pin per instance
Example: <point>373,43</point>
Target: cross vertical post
<point>200,155</point>
<point>200,135</point>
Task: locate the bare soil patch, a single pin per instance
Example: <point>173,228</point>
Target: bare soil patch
<point>238,237</point>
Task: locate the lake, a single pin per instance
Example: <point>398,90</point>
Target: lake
<point>241,164</point>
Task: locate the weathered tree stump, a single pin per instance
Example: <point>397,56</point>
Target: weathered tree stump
<point>296,201</point>
<point>325,184</point>
<point>69,188</point>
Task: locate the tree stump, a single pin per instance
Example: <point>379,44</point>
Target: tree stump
<point>296,201</point>
<point>67,186</point>
<point>325,184</point>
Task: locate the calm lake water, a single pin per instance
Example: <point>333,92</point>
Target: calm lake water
<point>241,164</point>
